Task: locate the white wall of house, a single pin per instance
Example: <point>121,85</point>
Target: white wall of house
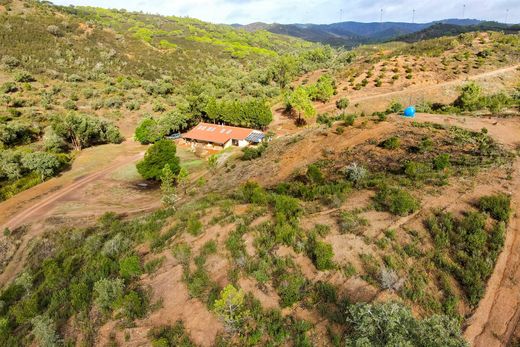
<point>228,144</point>
<point>242,143</point>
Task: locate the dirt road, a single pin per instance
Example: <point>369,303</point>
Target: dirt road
<point>39,202</point>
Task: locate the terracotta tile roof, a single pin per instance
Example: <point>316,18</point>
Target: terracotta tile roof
<point>215,133</point>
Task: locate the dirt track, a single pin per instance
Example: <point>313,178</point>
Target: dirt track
<point>37,203</point>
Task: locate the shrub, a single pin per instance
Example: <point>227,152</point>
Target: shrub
<point>114,102</point>
<point>321,255</point>
<point>396,201</point>
<point>251,192</point>
<point>10,62</point>
<point>44,331</point>
<point>158,107</point>
<point>8,87</point>
<point>83,131</point>
<point>469,99</point>
<point>340,130</point>
<point>393,324</point>
<point>130,267</point>
<point>350,222</point>
<point>498,206</point>
<point>355,173</point>
<point>108,292</point>
<point>230,308</point>
<point>194,226</point>
<point>441,162</point>
<point>170,336</point>
<point>349,119</point>
<point>395,107</point>
<point>134,305</point>
<point>75,78</point>
<point>23,76</point>
<point>45,164</point>
<point>148,131</point>
<point>70,105</point>
<point>390,143</point>
<point>342,103</point>
<point>54,30</point>
<point>133,105</point>
<point>291,288</point>
<point>250,153</point>
<point>157,156</point>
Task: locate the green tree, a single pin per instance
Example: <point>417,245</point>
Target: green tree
<point>213,162</point>
<point>45,164</point>
<point>182,179</point>
<point>284,70</point>
<point>169,194</point>
<point>147,131</point>
<point>323,89</point>
<point>83,131</point>
<point>300,102</point>
<point>230,308</point>
<point>469,98</point>
<point>157,156</point>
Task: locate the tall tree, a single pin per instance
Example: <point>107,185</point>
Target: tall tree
<point>169,195</point>
<point>159,155</point>
<point>299,101</point>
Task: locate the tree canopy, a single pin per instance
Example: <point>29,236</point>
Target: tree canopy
<point>84,131</point>
<point>392,324</point>
<point>300,101</point>
<point>159,155</point>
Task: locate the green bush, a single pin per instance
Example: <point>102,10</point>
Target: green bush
<point>321,254</point>
<point>108,292</point>
<point>349,119</point>
<point>395,107</point>
<point>23,76</point>
<point>396,201</point>
<point>250,153</point>
<point>441,162</point>
<point>291,289</point>
<point>70,105</point>
<point>342,103</point>
<point>469,99</point>
<point>498,206</point>
<point>391,143</point>
<point>130,267</point>
<point>393,324</point>
<point>166,336</point>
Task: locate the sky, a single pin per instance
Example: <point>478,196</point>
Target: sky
<point>316,11</point>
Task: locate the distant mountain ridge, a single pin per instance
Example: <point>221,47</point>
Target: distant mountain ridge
<point>352,33</point>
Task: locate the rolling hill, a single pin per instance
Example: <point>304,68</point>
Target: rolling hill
<point>350,34</point>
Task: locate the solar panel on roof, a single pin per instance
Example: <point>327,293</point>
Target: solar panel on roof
<point>255,137</point>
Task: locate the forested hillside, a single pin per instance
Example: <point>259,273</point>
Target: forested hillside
<point>106,67</point>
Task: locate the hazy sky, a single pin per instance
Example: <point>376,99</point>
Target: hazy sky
<point>317,11</point>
